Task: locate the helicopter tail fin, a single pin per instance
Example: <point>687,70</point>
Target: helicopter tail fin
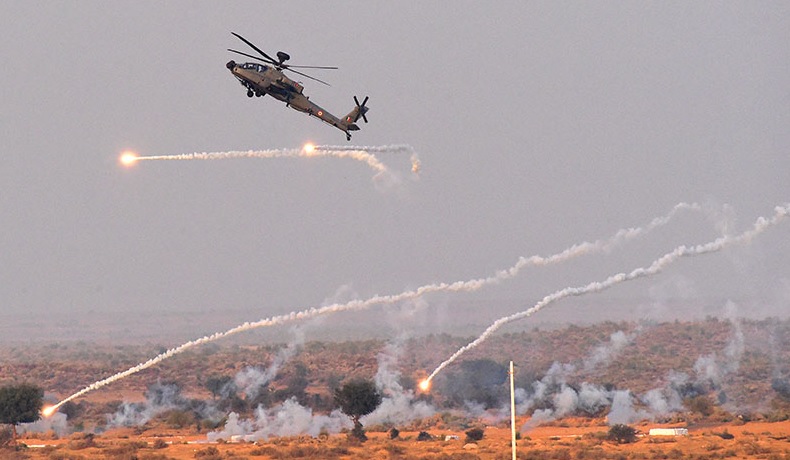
<point>356,113</point>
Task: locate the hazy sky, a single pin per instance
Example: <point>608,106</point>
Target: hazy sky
<point>539,124</point>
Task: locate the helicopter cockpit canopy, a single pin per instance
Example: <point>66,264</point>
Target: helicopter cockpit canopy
<point>254,66</point>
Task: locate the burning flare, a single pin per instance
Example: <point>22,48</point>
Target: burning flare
<point>416,164</point>
<point>48,411</point>
<point>425,385</point>
<point>308,148</point>
<point>128,158</point>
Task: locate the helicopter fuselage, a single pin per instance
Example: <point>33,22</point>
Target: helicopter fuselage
<point>262,79</point>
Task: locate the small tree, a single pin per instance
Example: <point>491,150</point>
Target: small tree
<point>20,404</point>
<point>475,434</point>
<point>622,434</point>
<point>179,418</point>
<point>216,384</point>
<point>356,399</point>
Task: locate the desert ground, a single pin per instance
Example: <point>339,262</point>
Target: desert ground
<point>744,414</point>
<point>571,439</point>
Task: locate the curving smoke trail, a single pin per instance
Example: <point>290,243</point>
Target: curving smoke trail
<point>760,225</point>
<point>416,164</point>
<point>362,154</point>
<point>458,286</point>
<point>394,148</point>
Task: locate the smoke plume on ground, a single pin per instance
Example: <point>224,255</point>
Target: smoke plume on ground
<point>398,405</point>
<point>287,419</point>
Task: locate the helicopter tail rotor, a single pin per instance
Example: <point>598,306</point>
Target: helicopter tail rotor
<point>361,109</point>
<point>356,113</point>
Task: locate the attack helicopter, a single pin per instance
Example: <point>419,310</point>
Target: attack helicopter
<point>269,78</point>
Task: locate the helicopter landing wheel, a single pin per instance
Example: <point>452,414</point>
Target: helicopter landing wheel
<point>249,93</point>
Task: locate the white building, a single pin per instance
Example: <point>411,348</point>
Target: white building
<point>668,432</point>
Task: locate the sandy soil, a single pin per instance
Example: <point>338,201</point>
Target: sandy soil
<point>577,440</point>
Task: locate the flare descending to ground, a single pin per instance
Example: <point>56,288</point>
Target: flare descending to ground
<point>458,286</point>
<point>760,225</point>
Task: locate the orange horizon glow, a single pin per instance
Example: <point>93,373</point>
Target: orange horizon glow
<point>128,158</point>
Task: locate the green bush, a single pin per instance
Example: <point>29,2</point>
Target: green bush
<point>179,418</point>
<point>209,453</point>
<point>160,444</point>
<point>725,435</point>
<point>622,434</point>
<point>475,434</point>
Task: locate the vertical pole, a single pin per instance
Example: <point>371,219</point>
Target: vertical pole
<point>512,412</point>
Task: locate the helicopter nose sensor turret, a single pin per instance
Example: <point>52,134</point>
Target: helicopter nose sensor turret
<point>230,65</point>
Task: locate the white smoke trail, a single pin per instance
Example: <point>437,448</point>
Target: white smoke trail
<point>416,164</point>
<point>458,286</point>
<point>394,148</point>
<point>355,153</point>
<point>657,266</point>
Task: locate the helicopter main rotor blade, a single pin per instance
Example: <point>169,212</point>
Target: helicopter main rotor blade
<point>278,64</point>
<point>308,76</point>
<point>254,47</point>
<point>250,56</point>
<point>310,67</point>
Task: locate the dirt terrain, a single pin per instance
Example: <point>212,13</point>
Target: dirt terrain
<point>744,414</point>
<point>578,439</point>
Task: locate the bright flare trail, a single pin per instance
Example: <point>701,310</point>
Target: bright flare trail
<point>760,225</point>
<point>362,154</point>
<point>458,286</point>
